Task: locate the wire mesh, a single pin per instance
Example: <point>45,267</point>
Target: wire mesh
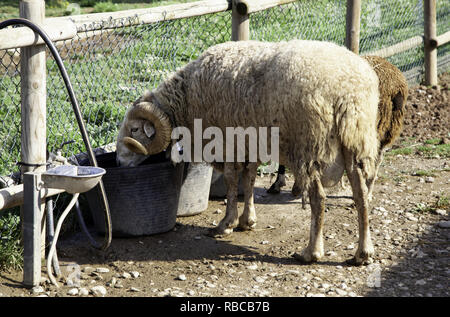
<point>111,63</point>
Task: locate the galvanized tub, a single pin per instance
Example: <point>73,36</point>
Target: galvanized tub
<point>143,200</point>
<point>194,192</point>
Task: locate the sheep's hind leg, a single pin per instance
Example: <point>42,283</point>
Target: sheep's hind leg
<point>360,195</point>
<point>230,221</point>
<point>314,250</point>
<point>247,221</point>
<point>279,182</point>
<point>370,182</point>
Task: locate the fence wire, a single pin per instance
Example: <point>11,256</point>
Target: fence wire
<point>112,62</point>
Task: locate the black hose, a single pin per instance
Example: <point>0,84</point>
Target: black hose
<point>83,225</point>
<point>76,109</point>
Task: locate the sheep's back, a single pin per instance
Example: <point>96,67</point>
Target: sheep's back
<point>315,92</point>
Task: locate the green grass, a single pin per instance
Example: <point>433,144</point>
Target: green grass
<point>425,173</point>
<point>400,151</point>
<point>443,202</point>
<point>10,247</point>
<point>429,149</point>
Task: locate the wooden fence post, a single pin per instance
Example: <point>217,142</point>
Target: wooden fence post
<point>352,26</point>
<point>430,42</point>
<point>240,26</point>
<point>33,102</point>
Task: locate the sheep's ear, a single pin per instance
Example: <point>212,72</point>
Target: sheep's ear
<point>134,146</point>
<point>149,129</point>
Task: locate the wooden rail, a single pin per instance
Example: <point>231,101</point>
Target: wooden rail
<point>57,30</point>
<point>149,15</point>
<point>13,196</point>
<point>170,12</point>
<point>408,44</point>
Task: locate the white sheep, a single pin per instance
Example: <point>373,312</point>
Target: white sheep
<point>322,97</point>
<point>393,91</point>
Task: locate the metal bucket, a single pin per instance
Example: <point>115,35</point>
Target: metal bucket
<point>143,200</point>
<point>194,192</point>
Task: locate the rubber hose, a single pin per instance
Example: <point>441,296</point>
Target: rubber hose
<point>55,239</point>
<point>77,111</point>
<point>51,234</point>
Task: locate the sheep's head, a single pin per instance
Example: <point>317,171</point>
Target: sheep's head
<point>146,130</point>
<point>393,90</point>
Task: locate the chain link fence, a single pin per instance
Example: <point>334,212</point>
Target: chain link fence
<point>111,63</point>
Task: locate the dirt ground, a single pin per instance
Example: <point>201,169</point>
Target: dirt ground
<point>409,231</point>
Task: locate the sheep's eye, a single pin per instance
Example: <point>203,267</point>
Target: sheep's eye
<point>134,130</point>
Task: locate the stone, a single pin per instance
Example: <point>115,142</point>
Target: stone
<point>73,291</point>
<point>252,267</point>
<point>102,270</point>
<point>126,275</point>
<point>341,292</point>
<point>84,291</point>
<point>112,283</point>
<point>88,269</point>
<point>99,290</point>
<point>411,216</point>
<point>444,224</point>
<point>135,274</point>
<point>134,289</point>
<point>181,277</point>
<point>429,179</point>
<point>441,212</point>
<point>37,289</point>
<point>314,295</point>
<point>259,279</point>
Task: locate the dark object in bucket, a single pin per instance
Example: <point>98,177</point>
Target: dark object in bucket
<point>219,189</point>
<point>143,200</point>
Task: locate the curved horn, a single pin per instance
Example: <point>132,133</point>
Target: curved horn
<point>134,145</point>
<point>163,128</point>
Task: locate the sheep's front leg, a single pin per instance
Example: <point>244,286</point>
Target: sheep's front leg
<point>230,221</point>
<point>247,221</point>
<point>360,195</point>
<point>314,250</point>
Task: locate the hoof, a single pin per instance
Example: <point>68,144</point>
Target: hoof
<point>361,258</point>
<point>218,232</point>
<point>307,257</point>
<point>247,226</point>
<point>247,223</point>
<point>274,189</point>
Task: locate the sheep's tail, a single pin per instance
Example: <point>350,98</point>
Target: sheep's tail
<point>356,120</point>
